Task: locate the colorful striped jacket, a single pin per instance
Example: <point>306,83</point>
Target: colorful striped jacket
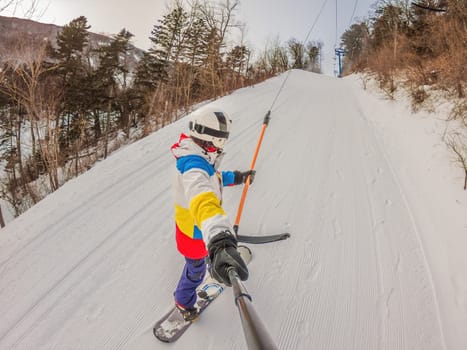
<point>198,197</point>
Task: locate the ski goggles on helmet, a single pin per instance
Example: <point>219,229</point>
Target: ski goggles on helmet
<point>202,129</point>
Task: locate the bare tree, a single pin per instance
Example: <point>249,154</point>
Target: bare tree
<point>297,53</point>
<point>272,60</point>
<point>25,84</point>
<point>27,9</point>
<point>220,16</point>
<point>457,143</point>
<point>8,4</point>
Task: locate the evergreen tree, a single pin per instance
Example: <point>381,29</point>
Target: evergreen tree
<point>297,51</point>
<point>168,41</point>
<point>237,58</point>
<point>110,81</point>
<point>196,43</point>
<point>74,70</point>
<point>313,51</point>
<point>213,64</point>
<point>156,66</point>
<point>390,21</point>
<point>237,63</point>
<point>355,40</point>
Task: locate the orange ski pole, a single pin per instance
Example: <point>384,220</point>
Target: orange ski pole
<point>267,118</point>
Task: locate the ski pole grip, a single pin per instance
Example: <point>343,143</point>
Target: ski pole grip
<point>267,118</point>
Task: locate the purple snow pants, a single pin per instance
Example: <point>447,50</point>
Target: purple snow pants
<point>192,276</point>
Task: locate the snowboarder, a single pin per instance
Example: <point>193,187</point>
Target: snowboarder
<point>203,230</point>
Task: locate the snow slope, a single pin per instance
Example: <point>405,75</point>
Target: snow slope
<point>374,262</point>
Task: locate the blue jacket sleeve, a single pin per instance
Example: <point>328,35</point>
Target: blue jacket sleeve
<point>228,178</point>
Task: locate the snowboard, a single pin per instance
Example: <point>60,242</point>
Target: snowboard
<point>172,325</point>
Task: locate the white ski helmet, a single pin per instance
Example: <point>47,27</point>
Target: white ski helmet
<point>210,124</point>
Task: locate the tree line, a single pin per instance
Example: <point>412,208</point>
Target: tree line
<point>67,103</point>
<point>421,45</point>
<point>424,40</point>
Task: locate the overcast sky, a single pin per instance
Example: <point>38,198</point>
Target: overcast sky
<point>264,19</point>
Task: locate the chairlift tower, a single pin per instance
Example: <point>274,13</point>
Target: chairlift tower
<point>340,52</point>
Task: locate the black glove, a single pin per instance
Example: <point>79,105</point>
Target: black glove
<point>224,255</point>
<point>241,176</point>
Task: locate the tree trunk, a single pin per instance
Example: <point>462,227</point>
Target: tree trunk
<point>97,126</point>
<point>23,178</point>
<point>107,127</point>
<point>2,222</point>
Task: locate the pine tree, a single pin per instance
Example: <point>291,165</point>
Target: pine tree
<point>197,38</point>
<point>297,51</point>
<point>74,71</point>
<point>110,81</point>
<point>313,51</point>
<point>237,61</point>
<point>195,54</point>
<point>237,58</point>
<point>168,41</point>
<point>355,40</point>
<point>166,48</point>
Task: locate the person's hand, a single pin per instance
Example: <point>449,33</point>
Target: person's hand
<point>242,176</point>
<point>224,256</point>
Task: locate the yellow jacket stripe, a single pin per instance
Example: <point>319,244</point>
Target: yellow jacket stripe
<point>205,206</point>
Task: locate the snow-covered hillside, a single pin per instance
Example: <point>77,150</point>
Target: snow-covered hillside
<point>376,211</point>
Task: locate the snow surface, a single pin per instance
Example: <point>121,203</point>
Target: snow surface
<point>375,207</point>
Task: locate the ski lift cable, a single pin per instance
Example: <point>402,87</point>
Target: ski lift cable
<point>263,129</point>
<point>353,12</point>
<point>337,20</point>
<point>306,39</point>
